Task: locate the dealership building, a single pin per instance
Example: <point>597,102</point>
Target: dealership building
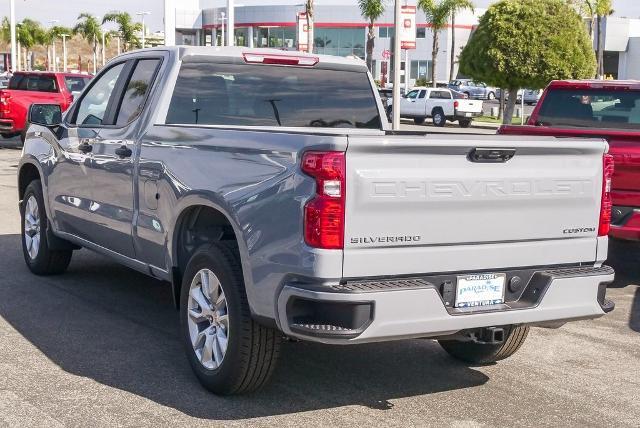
<point>341,30</point>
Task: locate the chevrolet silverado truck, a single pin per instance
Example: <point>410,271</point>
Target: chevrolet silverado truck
<point>602,109</point>
<point>267,188</point>
<point>35,87</point>
<point>440,104</point>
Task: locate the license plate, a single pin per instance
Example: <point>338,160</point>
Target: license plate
<point>467,114</point>
<point>480,290</point>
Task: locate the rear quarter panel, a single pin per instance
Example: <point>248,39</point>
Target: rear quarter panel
<point>254,179</point>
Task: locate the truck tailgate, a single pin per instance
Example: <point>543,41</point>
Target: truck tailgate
<point>469,106</point>
<point>418,204</point>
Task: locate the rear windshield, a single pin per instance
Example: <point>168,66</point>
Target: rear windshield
<point>265,95</point>
<point>591,108</point>
<point>33,82</point>
<point>76,83</point>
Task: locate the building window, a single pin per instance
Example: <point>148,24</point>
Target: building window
<point>420,70</point>
<point>275,37</point>
<point>340,41</point>
<point>386,32</point>
<point>421,33</point>
<point>241,37</point>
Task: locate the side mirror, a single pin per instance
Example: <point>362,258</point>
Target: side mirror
<point>45,114</point>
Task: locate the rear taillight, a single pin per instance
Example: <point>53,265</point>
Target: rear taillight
<point>607,203</point>
<point>324,214</point>
<point>456,104</point>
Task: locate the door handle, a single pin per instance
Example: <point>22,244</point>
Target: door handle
<point>124,151</point>
<point>85,147</point>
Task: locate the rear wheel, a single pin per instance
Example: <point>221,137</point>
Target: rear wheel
<point>464,123</point>
<point>418,120</point>
<point>228,351</point>
<point>40,259</point>
<point>439,118</point>
<point>479,353</point>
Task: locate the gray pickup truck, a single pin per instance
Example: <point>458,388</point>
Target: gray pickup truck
<point>267,189</point>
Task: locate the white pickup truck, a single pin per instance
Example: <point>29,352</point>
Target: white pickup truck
<point>440,104</point>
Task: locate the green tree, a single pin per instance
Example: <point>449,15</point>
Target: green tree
<point>127,29</point>
<point>89,28</point>
<point>309,8</point>
<point>526,44</point>
<point>54,33</point>
<point>438,14</point>
<point>371,10</point>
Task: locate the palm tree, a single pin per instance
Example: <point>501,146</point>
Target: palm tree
<point>51,35</point>
<point>29,33</point>
<point>309,9</point>
<point>595,11</point>
<point>371,10</point>
<point>127,29</point>
<point>438,14</point>
<point>89,28</point>
<point>453,40</point>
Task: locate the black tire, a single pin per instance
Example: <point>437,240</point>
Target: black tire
<point>476,353</point>
<point>438,117</point>
<point>252,349</point>
<point>491,96</point>
<point>418,120</point>
<point>464,123</point>
<point>45,261</point>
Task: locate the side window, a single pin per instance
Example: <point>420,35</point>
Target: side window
<point>423,93</point>
<point>434,95</point>
<point>412,95</point>
<point>93,106</point>
<point>137,90</point>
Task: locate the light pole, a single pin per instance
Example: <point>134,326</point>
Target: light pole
<point>231,18</point>
<point>142,14</point>
<point>53,22</point>
<point>103,49</point>
<point>397,58</point>
<point>14,49</point>
<point>64,52</point>
<point>222,19</point>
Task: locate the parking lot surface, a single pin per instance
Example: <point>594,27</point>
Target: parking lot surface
<point>99,346</point>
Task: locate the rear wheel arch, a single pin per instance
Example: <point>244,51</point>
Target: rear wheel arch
<point>197,225</point>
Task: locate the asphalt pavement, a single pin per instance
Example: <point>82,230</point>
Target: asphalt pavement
<point>98,346</point>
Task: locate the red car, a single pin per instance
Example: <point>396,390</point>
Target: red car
<point>598,109</point>
<point>29,87</point>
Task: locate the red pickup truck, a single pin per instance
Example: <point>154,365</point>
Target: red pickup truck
<point>26,88</point>
<point>598,109</point>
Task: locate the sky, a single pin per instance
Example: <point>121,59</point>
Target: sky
<point>66,11</point>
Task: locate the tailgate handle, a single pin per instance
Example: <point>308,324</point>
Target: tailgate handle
<point>491,155</point>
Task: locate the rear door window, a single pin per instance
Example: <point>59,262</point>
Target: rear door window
<point>591,108</point>
<point>136,91</point>
<point>266,95</point>
<point>76,83</point>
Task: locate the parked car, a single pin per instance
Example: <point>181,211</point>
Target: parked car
<point>601,109</point>
<point>268,190</point>
<point>440,105</point>
<point>506,95</point>
<point>532,96</point>
<point>474,90</point>
<point>26,88</point>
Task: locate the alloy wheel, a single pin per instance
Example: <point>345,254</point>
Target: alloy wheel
<point>208,319</point>
<point>32,227</point>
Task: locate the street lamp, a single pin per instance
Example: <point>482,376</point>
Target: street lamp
<point>53,22</point>
<point>64,51</point>
<point>395,109</point>
<point>142,14</point>
<point>222,19</point>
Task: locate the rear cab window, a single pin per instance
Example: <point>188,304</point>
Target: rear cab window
<point>591,108</point>
<point>34,82</point>
<point>269,95</point>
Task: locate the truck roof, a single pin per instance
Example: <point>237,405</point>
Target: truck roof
<point>238,51</point>
<point>52,73</point>
<point>595,84</point>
